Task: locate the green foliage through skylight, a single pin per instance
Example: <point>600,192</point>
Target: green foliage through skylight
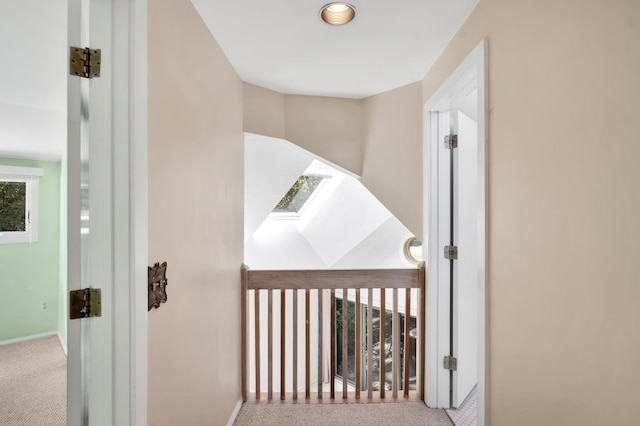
<point>298,195</point>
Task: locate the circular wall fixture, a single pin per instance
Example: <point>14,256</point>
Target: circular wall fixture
<point>337,13</point>
<point>413,250</point>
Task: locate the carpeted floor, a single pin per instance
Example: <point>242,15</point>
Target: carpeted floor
<point>388,413</point>
<point>33,383</point>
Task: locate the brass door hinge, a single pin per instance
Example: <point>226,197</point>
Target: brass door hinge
<point>84,62</point>
<point>85,303</point>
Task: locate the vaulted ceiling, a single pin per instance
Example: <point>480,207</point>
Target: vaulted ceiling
<point>343,226</point>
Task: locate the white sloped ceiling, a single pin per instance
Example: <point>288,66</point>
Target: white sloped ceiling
<point>343,226</point>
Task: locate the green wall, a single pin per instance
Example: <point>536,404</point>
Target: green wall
<point>29,272</point>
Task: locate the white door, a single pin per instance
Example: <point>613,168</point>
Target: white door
<point>465,268</point>
<point>457,226</point>
<point>442,267</point>
<point>106,156</point>
<point>456,214</point>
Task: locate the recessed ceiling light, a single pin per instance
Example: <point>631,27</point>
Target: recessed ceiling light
<point>337,13</point>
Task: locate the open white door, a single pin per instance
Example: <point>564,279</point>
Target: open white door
<point>107,230</point>
<point>457,278</point>
<point>456,218</point>
<point>465,267</point>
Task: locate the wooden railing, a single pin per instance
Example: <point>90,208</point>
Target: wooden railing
<point>318,284</point>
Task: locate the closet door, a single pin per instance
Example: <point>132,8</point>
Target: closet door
<point>465,267</point>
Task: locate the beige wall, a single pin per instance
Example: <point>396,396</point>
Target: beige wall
<point>195,219</point>
<point>564,185</point>
<point>392,153</point>
<point>378,138</point>
<point>328,127</point>
<point>263,111</point>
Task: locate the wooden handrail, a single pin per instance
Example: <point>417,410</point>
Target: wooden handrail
<point>332,279</point>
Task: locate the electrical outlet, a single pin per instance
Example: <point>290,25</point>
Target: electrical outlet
<point>45,306</point>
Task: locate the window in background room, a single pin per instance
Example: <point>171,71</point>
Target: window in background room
<point>19,204</point>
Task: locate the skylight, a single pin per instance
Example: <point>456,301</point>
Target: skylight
<point>298,194</point>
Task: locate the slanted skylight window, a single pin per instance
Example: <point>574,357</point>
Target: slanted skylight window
<point>299,194</point>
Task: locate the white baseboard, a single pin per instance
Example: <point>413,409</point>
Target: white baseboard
<point>27,338</point>
<point>235,413</point>
<point>62,343</point>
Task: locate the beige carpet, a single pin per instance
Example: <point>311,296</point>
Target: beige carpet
<point>33,383</point>
<point>301,414</point>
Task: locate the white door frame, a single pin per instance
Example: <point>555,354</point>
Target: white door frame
<point>473,68</point>
<point>117,106</point>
